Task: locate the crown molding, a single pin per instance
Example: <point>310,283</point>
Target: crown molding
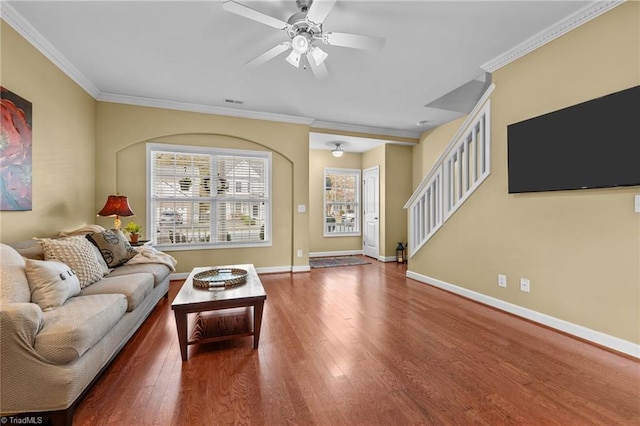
<point>205,109</point>
<point>551,33</point>
<point>26,30</point>
<point>329,125</point>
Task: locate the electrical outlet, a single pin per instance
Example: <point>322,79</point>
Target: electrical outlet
<point>525,285</point>
<point>299,253</point>
<point>502,280</point>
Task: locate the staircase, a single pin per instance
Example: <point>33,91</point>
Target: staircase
<point>458,172</point>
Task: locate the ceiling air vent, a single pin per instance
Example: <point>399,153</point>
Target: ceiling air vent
<point>233,101</point>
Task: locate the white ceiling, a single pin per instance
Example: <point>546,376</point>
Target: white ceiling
<point>191,54</point>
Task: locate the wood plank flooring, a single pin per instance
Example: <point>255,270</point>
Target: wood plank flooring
<point>364,345</point>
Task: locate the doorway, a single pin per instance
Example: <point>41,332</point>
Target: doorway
<point>371,212</point>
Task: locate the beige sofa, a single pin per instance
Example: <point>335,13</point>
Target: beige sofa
<point>50,357</point>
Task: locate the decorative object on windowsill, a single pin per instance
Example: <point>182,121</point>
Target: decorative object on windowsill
<point>220,278</point>
<point>116,206</point>
<point>185,184</point>
<point>400,253</point>
<point>337,151</point>
<point>133,229</point>
<point>222,185</point>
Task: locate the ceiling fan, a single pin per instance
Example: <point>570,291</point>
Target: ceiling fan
<point>305,32</point>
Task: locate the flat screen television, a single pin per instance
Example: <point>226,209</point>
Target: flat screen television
<point>595,144</point>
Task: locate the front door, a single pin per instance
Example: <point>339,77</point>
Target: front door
<point>371,212</point>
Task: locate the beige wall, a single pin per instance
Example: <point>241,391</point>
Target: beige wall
<point>318,160</point>
<point>394,163</point>
<point>123,130</point>
<point>580,249</point>
<point>432,145</point>
<point>63,143</point>
<point>397,191</point>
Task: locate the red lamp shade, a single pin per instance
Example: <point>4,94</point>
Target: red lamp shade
<point>116,205</point>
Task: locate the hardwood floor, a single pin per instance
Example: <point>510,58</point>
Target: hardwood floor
<point>365,345</point>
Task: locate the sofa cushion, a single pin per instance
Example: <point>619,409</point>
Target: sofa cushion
<point>14,287</point>
<point>73,328</point>
<point>113,245</point>
<point>158,270</point>
<point>51,282</point>
<point>78,254</point>
<point>135,287</point>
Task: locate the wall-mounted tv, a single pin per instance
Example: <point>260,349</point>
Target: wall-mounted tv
<point>595,144</point>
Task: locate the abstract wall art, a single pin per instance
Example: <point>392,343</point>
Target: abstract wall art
<point>15,152</point>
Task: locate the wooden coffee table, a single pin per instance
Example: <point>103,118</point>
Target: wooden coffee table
<point>219,325</point>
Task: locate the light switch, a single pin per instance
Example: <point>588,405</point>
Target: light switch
<point>637,209</point>
<point>301,208</point>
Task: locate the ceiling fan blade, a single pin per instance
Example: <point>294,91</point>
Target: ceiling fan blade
<point>353,40</point>
<point>269,54</point>
<point>319,10</point>
<point>247,12</point>
<point>319,71</point>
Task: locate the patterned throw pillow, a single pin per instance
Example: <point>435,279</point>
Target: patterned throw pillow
<point>114,246</point>
<point>78,254</point>
<point>51,282</point>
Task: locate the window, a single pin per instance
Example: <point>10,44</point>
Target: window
<point>341,202</point>
<point>204,197</point>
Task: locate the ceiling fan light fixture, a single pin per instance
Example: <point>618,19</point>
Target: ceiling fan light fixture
<point>318,55</point>
<point>294,58</point>
<point>301,43</point>
<point>337,151</point>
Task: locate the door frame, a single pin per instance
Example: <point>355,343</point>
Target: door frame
<point>375,252</point>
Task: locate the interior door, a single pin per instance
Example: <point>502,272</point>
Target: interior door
<point>371,212</point>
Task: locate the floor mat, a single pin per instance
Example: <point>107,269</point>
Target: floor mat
<point>328,262</point>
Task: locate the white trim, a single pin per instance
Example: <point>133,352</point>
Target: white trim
<point>205,109</point>
<point>29,33</point>
<point>357,173</point>
<point>454,140</point>
<point>302,268</point>
<point>273,269</point>
<point>179,276</point>
<point>152,147</point>
<point>584,15</point>
<point>329,125</point>
<point>597,337</point>
<point>26,30</point>
<point>336,253</point>
<point>387,258</point>
<point>481,176</point>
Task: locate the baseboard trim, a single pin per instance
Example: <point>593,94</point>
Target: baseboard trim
<point>597,337</point>
<point>301,268</point>
<point>335,253</point>
<point>273,269</point>
<point>387,258</point>
<point>179,276</point>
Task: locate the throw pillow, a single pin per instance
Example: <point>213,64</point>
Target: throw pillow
<point>78,254</point>
<point>103,265</point>
<point>51,282</point>
<point>114,246</point>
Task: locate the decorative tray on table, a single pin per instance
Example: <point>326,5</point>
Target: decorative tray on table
<point>220,278</point>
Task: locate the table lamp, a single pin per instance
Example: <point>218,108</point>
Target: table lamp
<point>116,206</point>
